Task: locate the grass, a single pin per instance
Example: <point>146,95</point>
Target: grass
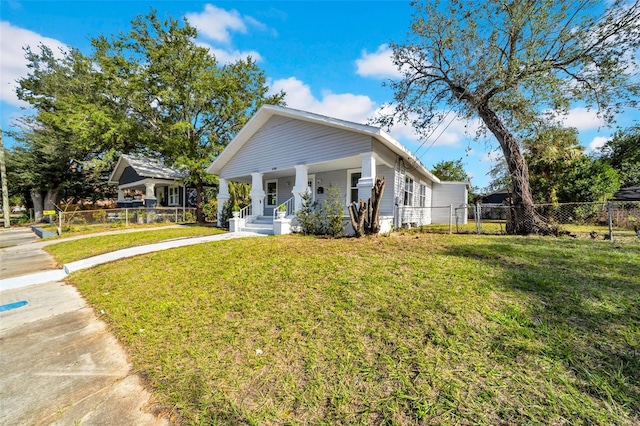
<point>405,329</point>
<point>70,251</point>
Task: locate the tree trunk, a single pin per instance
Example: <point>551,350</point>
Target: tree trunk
<point>51,199</point>
<point>199,202</point>
<point>523,219</point>
<point>373,211</point>
<point>36,199</point>
<point>357,215</point>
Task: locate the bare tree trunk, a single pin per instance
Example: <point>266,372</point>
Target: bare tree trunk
<point>365,217</point>
<point>357,215</point>
<point>373,211</point>
<point>36,199</point>
<point>523,219</point>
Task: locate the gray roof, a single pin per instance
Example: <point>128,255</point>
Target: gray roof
<point>631,193</point>
<point>152,167</point>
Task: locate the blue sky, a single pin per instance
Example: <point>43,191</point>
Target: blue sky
<point>331,58</point>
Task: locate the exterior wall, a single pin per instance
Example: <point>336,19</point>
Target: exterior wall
<point>128,176</point>
<point>387,206</point>
<point>297,142</point>
<point>447,193</point>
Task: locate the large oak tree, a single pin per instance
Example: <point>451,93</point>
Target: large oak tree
<point>512,63</point>
<point>153,90</point>
<point>188,105</point>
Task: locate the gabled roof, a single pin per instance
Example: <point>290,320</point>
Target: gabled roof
<point>631,193</point>
<point>144,167</point>
<point>267,111</point>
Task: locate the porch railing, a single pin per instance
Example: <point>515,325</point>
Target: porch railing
<point>246,212</point>
<point>290,204</point>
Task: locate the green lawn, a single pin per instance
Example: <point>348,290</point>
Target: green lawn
<point>405,329</point>
<point>70,251</point>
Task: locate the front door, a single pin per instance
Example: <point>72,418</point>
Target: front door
<point>311,184</point>
<point>272,195</point>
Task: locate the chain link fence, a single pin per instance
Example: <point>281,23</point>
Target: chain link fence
<point>616,220</point>
<point>126,216</point>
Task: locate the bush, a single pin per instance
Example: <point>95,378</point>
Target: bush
<point>333,212</point>
<point>308,216</point>
<point>100,216</point>
<point>321,220</point>
<point>211,211</point>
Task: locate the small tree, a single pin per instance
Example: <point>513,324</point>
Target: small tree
<point>333,212</point>
<point>307,215</point>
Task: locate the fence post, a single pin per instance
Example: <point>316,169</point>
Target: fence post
<point>450,218</point>
<point>126,218</point>
<point>610,214</point>
<point>176,215</point>
<point>478,213</point>
<point>60,213</point>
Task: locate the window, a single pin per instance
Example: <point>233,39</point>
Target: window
<point>354,177</point>
<point>272,193</point>
<point>408,191</point>
<point>174,196</point>
<point>423,196</point>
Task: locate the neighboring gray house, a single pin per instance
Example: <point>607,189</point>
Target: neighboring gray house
<point>154,182</point>
<point>283,153</point>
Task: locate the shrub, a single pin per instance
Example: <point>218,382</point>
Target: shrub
<point>333,212</point>
<point>321,220</point>
<point>308,216</point>
<point>100,216</point>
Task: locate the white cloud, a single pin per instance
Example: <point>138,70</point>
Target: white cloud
<point>216,24</point>
<point>344,106</point>
<point>597,143</point>
<point>582,119</point>
<point>228,56</point>
<point>14,65</point>
<point>378,64</point>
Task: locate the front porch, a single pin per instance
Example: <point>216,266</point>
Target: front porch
<point>353,176</point>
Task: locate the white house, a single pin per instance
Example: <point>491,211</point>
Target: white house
<point>283,153</point>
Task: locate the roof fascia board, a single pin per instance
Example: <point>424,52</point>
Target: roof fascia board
<point>116,169</point>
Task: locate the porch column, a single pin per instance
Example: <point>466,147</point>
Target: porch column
<point>301,186</point>
<point>150,199</point>
<point>120,195</point>
<point>257,194</point>
<point>368,177</point>
<point>223,196</point>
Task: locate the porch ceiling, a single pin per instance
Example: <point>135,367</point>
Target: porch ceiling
<point>354,162</point>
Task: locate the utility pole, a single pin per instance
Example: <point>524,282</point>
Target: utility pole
<point>5,191</point>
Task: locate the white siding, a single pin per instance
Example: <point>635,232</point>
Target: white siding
<point>283,142</point>
<point>388,197</point>
<point>449,193</point>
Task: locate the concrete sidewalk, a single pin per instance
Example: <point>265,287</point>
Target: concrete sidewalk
<point>49,274</point>
<point>60,364</point>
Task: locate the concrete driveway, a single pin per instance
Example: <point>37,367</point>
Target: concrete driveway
<point>60,365</point>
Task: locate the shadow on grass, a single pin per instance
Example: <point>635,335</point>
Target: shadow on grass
<point>581,300</point>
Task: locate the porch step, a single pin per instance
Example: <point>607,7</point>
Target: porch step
<point>260,225</point>
<point>258,229</point>
<point>263,220</point>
